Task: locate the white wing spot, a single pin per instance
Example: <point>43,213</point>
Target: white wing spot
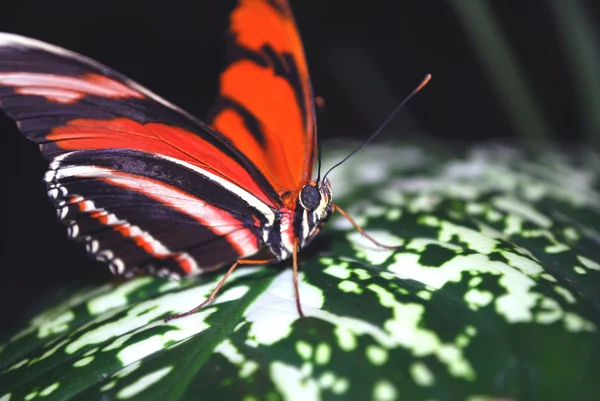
<point>117,267</point>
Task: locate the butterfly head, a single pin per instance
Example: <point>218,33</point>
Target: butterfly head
<point>314,203</point>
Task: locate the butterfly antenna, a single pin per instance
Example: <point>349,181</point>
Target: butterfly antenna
<point>320,104</point>
<point>424,82</point>
<point>318,161</point>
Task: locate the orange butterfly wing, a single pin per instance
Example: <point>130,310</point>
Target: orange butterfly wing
<point>266,106</point>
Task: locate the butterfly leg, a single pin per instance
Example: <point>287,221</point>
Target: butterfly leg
<point>363,233</point>
<point>217,289</point>
<point>296,288</point>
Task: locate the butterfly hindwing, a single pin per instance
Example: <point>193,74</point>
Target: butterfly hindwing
<point>135,209</point>
<point>266,105</point>
<point>143,183</point>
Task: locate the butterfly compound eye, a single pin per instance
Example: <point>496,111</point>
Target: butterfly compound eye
<point>310,197</point>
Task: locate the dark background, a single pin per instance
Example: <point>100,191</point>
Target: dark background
<point>364,58</point>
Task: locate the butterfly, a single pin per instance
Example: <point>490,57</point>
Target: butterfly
<point>148,187</point>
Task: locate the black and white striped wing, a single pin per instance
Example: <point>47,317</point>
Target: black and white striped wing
<point>143,183</point>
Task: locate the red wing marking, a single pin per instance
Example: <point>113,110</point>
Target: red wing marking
<point>154,138</point>
<point>257,23</point>
<point>269,81</point>
<point>67,89</point>
<point>282,167</point>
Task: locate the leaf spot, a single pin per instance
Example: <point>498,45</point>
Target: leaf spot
<point>377,355</point>
<point>323,354</point>
<point>83,362</point>
<point>50,389</point>
<point>304,349</point>
<point>421,374</point>
<point>384,391</point>
<point>292,384</point>
<point>143,383</point>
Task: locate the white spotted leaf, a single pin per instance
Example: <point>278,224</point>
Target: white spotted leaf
<point>495,295</point>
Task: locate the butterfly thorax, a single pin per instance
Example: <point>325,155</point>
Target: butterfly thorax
<point>313,209</point>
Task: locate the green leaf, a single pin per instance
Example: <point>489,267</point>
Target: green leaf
<point>495,295</point>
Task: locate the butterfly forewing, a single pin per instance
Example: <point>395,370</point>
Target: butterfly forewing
<point>266,105</point>
<point>149,187</point>
<point>143,183</point>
